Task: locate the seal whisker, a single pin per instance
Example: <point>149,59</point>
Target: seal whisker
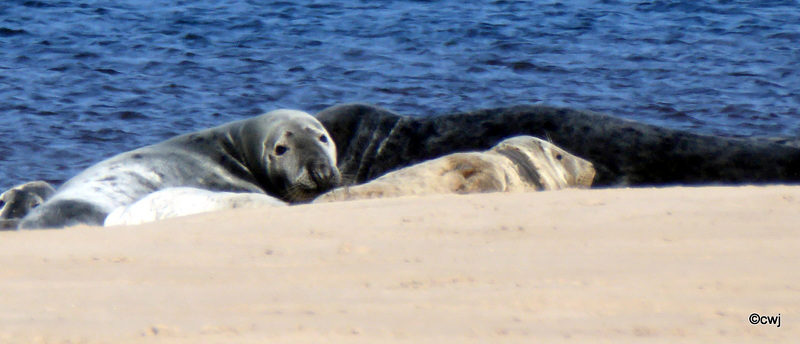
<point>297,193</point>
<point>347,179</point>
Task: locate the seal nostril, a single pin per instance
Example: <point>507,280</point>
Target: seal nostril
<point>322,175</point>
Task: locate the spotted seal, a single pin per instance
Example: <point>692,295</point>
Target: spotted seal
<point>286,154</point>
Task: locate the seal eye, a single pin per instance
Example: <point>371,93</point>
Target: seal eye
<point>559,157</point>
<point>280,150</point>
<point>323,139</point>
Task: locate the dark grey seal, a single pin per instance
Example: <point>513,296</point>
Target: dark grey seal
<point>373,141</point>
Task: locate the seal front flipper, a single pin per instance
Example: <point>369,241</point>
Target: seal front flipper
<point>9,224</point>
<point>64,213</point>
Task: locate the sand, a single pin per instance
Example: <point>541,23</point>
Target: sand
<point>616,265</point>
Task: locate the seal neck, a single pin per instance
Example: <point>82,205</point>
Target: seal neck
<point>527,170</point>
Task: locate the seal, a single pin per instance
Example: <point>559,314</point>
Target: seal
<point>183,201</point>
<point>373,141</point>
<point>517,164</point>
<point>16,202</point>
<point>286,154</point>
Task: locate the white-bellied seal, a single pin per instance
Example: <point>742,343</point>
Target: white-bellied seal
<point>522,163</point>
<point>287,154</point>
<point>16,202</point>
<point>182,201</point>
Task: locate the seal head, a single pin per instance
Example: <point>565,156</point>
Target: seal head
<point>21,199</point>
<point>545,165</point>
<point>299,159</point>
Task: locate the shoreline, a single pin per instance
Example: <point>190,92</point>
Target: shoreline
<point>616,265</point>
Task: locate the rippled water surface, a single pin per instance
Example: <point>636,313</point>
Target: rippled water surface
<point>84,80</point>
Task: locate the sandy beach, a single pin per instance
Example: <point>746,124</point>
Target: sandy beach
<point>615,265</point>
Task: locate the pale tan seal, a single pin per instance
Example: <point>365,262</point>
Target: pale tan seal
<point>522,163</point>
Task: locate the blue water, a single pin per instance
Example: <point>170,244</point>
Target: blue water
<point>84,80</point>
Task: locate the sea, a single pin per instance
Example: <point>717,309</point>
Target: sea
<point>81,81</point>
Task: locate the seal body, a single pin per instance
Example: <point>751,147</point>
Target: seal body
<point>522,163</point>
<point>373,141</point>
<point>182,201</point>
<point>284,153</point>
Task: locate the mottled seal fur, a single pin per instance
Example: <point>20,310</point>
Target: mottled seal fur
<point>522,163</point>
<point>284,153</point>
<point>182,201</point>
<point>373,141</point>
<point>16,202</point>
